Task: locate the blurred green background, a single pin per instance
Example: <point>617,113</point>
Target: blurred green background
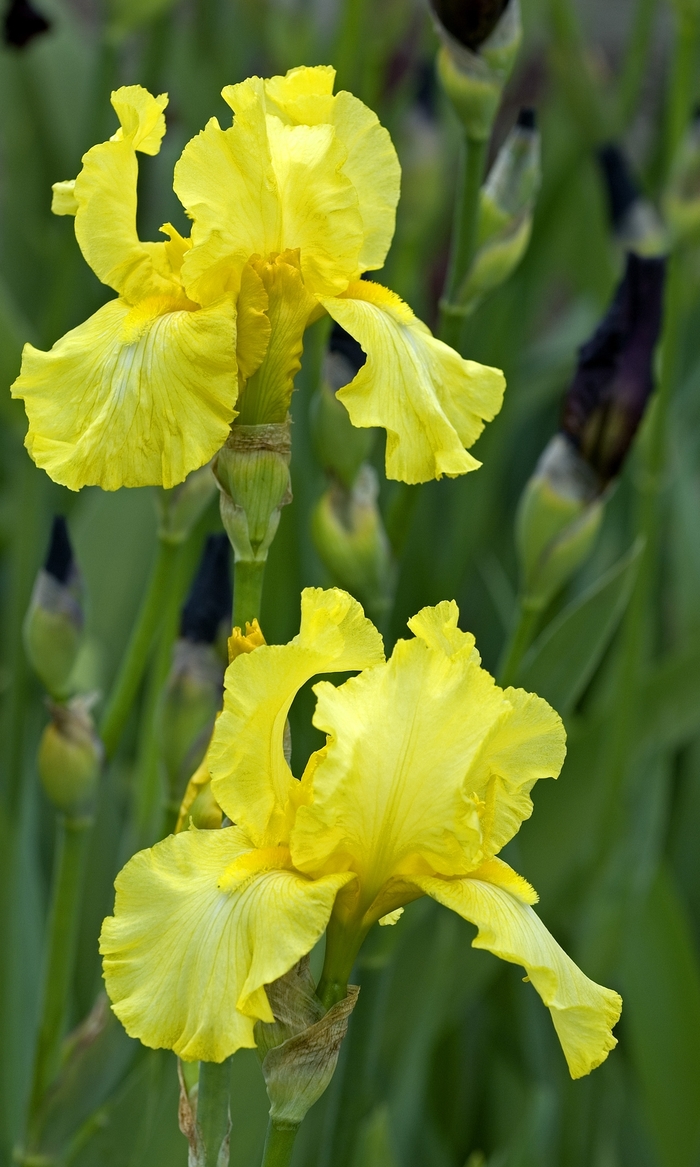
<point>450,1060</point>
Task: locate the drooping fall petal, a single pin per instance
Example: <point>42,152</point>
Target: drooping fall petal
<point>202,922</point>
<point>431,402</point>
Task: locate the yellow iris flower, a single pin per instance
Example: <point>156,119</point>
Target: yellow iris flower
<point>290,206</point>
<point>426,774</point>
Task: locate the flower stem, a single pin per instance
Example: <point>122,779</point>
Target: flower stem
<point>248,577</point>
<point>213,1114</point>
<point>464,236</point>
<point>279,1144</point>
<point>682,92</point>
<point>64,914</point>
<point>134,661</point>
<point>518,642</point>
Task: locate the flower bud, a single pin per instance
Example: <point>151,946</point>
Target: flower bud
<point>70,756</point>
<point>22,23</point>
<point>181,508</point>
<point>351,541</point>
<point>198,804</point>
<point>634,220</point>
<point>193,690</point>
<point>54,621</point>
<point>681,201</point>
<point>558,518</point>
<point>506,211</point>
<point>472,71</point>
<point>299,1051</point>
<point>252,471</point>
<point>614,378</point>
<point>340,447</point>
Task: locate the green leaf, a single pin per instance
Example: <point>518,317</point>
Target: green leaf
<point>564,658</point>
<point>661,1015</point>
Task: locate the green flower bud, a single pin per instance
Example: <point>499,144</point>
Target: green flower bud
<point>473,76</point>
<point>299,1051</point>
<point>506,210</point>
<point>54,622</point>
<point>180,509</point>
<point>351,541</point>
<point>340,447</point>
<point>681,200</point>
<point>70,756</point>
<point>558,518</point>
<point>252,471</point>
<point>191,701</point>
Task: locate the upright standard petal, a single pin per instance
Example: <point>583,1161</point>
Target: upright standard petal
<point>583,1012</point>
<point>305,97</point>
<point>250,776</point>
<point>430,401</point>
<point>202,922</point>
<point>104,194</point>
<point>389,794</point>
<point>132,397</point>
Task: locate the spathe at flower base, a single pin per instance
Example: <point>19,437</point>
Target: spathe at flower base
<point>387,811</point>
<point>290,206</point>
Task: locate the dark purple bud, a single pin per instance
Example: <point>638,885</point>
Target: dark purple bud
<point>614,379</point>
<point>59,558</point>
<point>348,348</point>
<point>209,601</point>
<point>22,23</point>
<point>621,188</point>
<point>469,21</point>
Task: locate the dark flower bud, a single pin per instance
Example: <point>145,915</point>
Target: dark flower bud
<point>634,220</point>
<point>469,21</point>
<point>54,620</point>
<point>22,23</point>
<point>614,379</point>
<point>209,601</point>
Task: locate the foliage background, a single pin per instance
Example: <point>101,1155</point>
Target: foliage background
<point>450,1060</point>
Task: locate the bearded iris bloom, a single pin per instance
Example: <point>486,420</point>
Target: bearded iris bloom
<point>426,774</point>
<point>290,206</point>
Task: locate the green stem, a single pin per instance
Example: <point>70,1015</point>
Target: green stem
<point>279,1145</point>
<point>683,84</point>
<point>213,1114</point>
<point>464,236</point>
<point>518,643</point>
<point>248,577</point>
<point>71,851</point>
<point>635,63</point>
<point>133,664</point>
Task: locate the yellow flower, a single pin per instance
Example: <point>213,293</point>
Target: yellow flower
<point>290,206</point>
<point>144,391</point>
<point>426,774</point>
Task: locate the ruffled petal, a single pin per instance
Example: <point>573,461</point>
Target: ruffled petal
<point>529,743</point>
<point>582,1011</point>
<point>104,195</point>
<point>251,778</point>
<point>132,397</point>
<point>388,793</point>
<point>305,97</point>
<point>431,402</point>
<point>202,922</point>
<point>263,187</point>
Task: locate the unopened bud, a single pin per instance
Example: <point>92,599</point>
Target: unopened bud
<point>351,541</point>
<point>614,378</point>
<point>474,72</point>
<point>23,22</point>
<point>506,211</point>
<point>252,471</point>
<point>340,447</point>
<point>681,200</point>
<point>193,690</point>
<point>199,806</point>
<point>70,756</point>
<point>633,218</point>
<point>558,518</point>
<point>299,1051</point>
<point>180,509</point>
<point>54,621</point>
